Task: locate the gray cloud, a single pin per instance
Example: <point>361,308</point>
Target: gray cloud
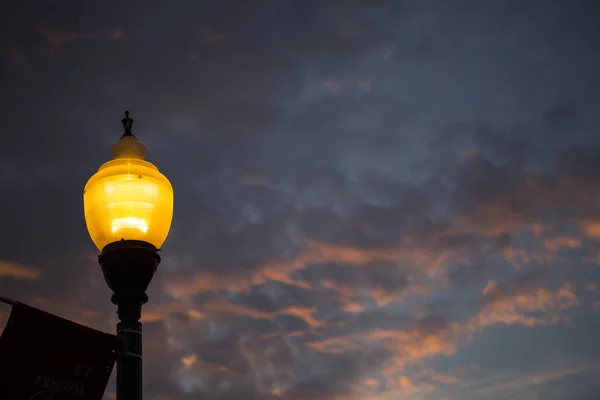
<point>349,177</point>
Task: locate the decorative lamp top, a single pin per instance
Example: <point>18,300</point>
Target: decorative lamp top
<point>128,146</point>
<point>127,124</point>
<point>128,198</point>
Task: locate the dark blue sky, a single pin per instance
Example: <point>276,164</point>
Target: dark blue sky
<point>373,199</point>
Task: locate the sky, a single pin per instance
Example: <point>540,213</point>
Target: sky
<point>374,200</point>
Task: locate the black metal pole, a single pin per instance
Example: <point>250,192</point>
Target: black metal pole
<point>128,268</point>
<point>129,364</point>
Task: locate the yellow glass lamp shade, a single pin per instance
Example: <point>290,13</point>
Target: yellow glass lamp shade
<point>128,198</point>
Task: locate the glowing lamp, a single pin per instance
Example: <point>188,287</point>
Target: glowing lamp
<point>128,207</point>
<point>128,198</point>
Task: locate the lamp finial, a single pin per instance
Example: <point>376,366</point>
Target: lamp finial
<point>127,124</point>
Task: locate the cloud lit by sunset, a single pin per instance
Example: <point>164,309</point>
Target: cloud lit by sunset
<point>374,200</point>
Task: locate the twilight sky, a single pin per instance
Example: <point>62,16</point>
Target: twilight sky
<point>374,200</point>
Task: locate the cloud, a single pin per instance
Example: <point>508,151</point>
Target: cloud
<point>354,271</point>
<point>562,379</point>
<point>16,271</point>
<point>370,196</point>
<point>540,306</point>
<point>58,37</point>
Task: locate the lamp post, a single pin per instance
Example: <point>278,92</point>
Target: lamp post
<point>128,206</point>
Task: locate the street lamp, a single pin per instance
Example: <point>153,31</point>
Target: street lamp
<point>128,206</point>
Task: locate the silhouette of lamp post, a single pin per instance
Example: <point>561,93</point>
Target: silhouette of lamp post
<point>128,206</point>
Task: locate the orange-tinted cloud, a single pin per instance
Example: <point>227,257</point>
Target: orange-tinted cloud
<point>281,270</point>
<point>484,233</point>
<point>591,228</point>
<point>17,271</point>
<point>223,306</point>
<point>407,347</point>
<point>559,243</point>
<point>538,306</point>
<point>58,37</point>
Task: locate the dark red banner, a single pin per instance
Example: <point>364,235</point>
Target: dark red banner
<point>45,357</point>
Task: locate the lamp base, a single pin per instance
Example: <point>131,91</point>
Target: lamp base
<point>128,267</point>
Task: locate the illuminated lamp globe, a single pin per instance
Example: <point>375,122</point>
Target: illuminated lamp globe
<point>128,198</point>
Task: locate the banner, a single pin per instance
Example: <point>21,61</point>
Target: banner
<point>45,357</point>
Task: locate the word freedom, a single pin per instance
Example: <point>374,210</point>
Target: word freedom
<point>55,385</point>
<point>58,386</point>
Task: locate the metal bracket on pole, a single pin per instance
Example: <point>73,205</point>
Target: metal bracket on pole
<point>129,330</point>
<point>124,352</point>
